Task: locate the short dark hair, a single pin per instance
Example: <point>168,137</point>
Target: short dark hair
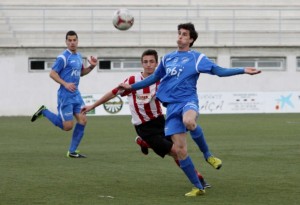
<point>150,52</point>
<point>71,33</point>
<point>191,28</point>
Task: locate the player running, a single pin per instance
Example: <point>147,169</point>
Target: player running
<point>66,71</point>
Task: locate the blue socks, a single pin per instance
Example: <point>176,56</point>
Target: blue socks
<point>199,139</point>
<point>77,136</point>
<point>77,133</point>
<point>53,118</point>
<point>188,168</point>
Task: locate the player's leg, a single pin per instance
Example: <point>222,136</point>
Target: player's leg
<point>174,127</point>
<point>199,139</point>
<point>190,114</point>
<point>43,111</point>
<point>78,132</point>
<point>200,176</point>
<point>143,145</point>
<point>163,146</point>
<point>148,131</point>
<point>77,136</point>
<point>140,141</point>
<point>186,164</point>
<point>152,133</point>
<point>189,120</point>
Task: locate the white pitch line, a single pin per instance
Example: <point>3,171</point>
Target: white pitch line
<point>111,197</point>
<point>293,122</point>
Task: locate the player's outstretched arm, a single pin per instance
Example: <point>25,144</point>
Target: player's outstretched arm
<point>251,71</point>
<point>225,72</point>
<point>141,84</point>
<point>109,95</point>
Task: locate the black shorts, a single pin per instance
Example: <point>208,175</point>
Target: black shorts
<point>153,133</point>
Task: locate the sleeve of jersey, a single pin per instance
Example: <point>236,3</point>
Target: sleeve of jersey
<point>208,66</point>
<point>58,65</point>
<point>146,82</point>
<point>225,72</point>
<point>122,93</point>
<point>117,91</point>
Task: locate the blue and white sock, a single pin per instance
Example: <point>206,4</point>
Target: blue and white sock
<point>189,169</point>
<point>77,136</point>
<point>198,137</point>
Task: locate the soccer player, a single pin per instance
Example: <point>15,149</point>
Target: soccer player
<point>147,116</point>
<point>179,72</point>
<point>66,71</point>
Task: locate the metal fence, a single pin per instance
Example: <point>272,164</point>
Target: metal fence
<point>46,26</point>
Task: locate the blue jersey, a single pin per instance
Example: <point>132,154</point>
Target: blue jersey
<point>68,65</point>
<point>179,72</point>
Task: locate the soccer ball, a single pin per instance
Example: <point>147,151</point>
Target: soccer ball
<point>123,19</point>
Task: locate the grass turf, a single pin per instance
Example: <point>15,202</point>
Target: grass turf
<point>260,153</point>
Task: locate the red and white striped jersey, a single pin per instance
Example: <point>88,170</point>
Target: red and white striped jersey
<point>142,103</point>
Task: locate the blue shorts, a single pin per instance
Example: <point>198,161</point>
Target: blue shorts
<point>69,106</point>
<point>174,117</point>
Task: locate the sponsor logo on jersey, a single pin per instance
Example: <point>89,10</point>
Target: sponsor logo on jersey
<point>185,60</point>
<point>174,71</point>
<point>144,98</point>
<point>76,72</point>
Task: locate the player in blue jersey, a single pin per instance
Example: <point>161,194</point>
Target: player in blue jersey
<point>179,72</point>
<point>66,71</point>
<point>147,116</point>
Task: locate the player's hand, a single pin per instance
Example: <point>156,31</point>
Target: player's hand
<point>93,61</point>
<point>252,71</point>
<point>70,87</point>
<point>124,86</point>
<point>86,109</point>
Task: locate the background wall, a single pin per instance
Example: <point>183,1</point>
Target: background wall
<point>22,92</point>
<point>227,28</point>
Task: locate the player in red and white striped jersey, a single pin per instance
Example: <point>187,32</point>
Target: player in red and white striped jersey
<point>147,116</point>
<point>143,104</point>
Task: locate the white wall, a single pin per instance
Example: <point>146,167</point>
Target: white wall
<point>155,2</point>
<point>22,92</point>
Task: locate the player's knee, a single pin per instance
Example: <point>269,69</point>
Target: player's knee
<point>173,152</point>
<point>181,152</point>
<point>68,126</point>
<point>189,124</point>
<point>82,120</point>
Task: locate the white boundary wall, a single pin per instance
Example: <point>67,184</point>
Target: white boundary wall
<point>22,92</point>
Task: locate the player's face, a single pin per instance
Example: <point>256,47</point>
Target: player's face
<point>72,43</point>
<point>184,39</point>
<point>149,64</point>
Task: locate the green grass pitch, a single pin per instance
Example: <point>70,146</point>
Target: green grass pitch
<point>260,153</point>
